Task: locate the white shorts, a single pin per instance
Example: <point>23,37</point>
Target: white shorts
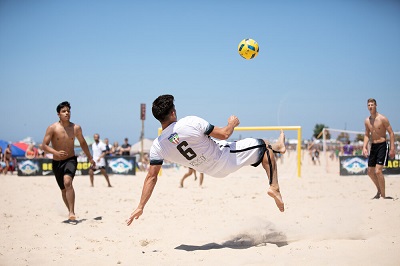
<point>249,151</point>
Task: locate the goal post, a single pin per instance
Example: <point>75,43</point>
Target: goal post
<point>262,128</point>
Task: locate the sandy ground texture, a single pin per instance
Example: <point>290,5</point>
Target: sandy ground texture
<point>329,220</point>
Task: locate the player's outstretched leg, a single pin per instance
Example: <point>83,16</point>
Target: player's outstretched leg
<point>270,167</point>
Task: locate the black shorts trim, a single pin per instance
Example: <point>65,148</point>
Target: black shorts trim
<point>64,167</point>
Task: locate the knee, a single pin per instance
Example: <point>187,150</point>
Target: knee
<point>67,183</point>
<point>378,171</point>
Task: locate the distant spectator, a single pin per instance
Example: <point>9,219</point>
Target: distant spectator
<point>7,158</point>
<point>30,152</point>
<point>348,149</point>
<point>115,149</point>
<point>315,156</point>
<point>108,147</point>
<point>40,151</point>
<point>2,163</point>
<point>126,148</point>
<point>99,151</point>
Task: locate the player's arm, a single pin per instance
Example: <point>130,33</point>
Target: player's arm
<point>46,142</point>
<point>223,133</point>
<point>391,137</point>
<point>84,146</point>
<point>366,138</point>
<point>148,187</point>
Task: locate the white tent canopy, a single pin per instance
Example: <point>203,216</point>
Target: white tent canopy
<point>137,147</point>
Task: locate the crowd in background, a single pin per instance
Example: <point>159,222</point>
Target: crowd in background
<point>8,161</point>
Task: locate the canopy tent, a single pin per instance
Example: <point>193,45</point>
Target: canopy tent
<point>17,149</point>
<point>137,147</point>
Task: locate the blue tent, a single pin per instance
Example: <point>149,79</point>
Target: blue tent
<point>15,151</point>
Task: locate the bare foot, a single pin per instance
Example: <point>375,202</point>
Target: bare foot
<point>72,217</point>
<point>387,197</point>
<point>281,143</point>
<point>276,195</point>
<point>377,196</point>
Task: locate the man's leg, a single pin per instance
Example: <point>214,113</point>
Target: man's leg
<point>269,164</point>
<point>64,197</point>
<point>381,179</point>
<point>374,178</point>
<point>91,175</point>
<point>104,172</point>
<point>185,176</point>
<point>70,196</point>
<point>201,179</point>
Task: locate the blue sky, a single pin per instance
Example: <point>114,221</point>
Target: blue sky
<point>319,62</point>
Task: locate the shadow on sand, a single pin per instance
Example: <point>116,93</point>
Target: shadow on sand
<point>75,222</point>
<point>242,241</point>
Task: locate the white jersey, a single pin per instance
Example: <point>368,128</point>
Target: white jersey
<point>187,142</point>
<point>98,150</point>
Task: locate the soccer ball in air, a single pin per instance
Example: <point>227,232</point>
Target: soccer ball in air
<point>248,48</point>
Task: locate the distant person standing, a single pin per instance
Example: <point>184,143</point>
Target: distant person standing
<point>2,163</point>
<point>99,152</point>
<point>189,173</point>
<point>126,148</point>
<point>7,158</point>
<point>30,152</point>
<point>348,149</point>
<point>108,147</point>
<point>115,149</point>
<point>62,135</point>
<point>315,156</point>
<point>376,126</point>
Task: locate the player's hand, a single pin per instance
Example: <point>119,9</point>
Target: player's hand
<point>392,154</point>
<point>365,152</point>
<point>62,154</point>
<point>233,120</point>
<point>135,215</point>
<point>92,164</point>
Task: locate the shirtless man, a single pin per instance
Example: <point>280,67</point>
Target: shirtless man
<point>7,158</point>
<point>194,142</point>
<point>62,135</point>
<point>376,126</point>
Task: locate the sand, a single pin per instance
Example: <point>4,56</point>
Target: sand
<point>329,220</point>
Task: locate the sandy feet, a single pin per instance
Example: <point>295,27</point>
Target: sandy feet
<point>276,195</point>
<point>377,196</point>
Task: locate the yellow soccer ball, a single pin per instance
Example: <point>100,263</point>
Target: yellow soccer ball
<point>248,49</point>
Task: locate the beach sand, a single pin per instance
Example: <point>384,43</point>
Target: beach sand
<point>329,220</point>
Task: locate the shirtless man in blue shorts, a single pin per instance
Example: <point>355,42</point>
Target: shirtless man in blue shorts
<point>376,126</point>
<point>62,135</point>
<point>195,143</point>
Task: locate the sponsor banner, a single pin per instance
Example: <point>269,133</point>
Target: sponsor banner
<point>358,165</point>
<point>28,167</point>
<point>393,167</point>
<point>122,165</point>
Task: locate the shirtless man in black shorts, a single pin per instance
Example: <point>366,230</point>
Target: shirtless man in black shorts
<point>62,135</point>
<point>376,126</point>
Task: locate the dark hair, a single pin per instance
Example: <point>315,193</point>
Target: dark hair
<point>371,100</point>
<point>162,107</point>
<point>62,105</point>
